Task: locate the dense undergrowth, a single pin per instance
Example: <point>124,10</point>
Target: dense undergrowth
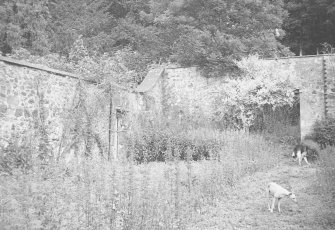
<point>92,193</point>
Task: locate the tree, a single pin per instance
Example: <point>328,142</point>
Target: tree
<point>86,18</point>
<point>212,33</point>
<point>23,23</point>
<point>309,25</point>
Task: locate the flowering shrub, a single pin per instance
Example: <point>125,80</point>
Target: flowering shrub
<point>260,85</point>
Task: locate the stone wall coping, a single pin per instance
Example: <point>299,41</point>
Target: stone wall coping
<point>54,71</point>
<point>304,56</point>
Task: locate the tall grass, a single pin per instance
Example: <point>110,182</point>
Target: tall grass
<point>92,193</point>
<point>327,170</point>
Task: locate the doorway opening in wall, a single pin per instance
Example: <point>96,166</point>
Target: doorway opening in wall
<point>280,124</point>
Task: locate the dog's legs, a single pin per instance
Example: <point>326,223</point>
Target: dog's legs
<point>279,199</point>
<point>273,204</point>
<point>299,156</point>
<point>305,158</point>
<point>268,196</point>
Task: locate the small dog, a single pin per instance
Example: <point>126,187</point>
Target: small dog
<point>300,152</point>
<point>278,192</point>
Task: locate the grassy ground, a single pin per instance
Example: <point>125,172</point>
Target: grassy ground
<point>229,193</point>
<point>246,206</point>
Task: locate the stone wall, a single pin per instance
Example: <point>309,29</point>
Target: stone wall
<point>311,74</point>
<point>26,90</point>
<point>20,97</point>
<point>186,90</point>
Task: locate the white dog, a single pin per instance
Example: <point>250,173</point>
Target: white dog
<point>300,152</point>
<point>278,192</point>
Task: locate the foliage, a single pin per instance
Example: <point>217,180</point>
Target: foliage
<point>210,34</point>
<point>23,24</point>
<point>92,193</point>
<point>103,69</point>
<point>69,19</point>
<point>309,25</point>
<point>16,154</point>
<point>162,140</point>
<point>326,176</point>
<point>324,132</point>
<point>261,86</point>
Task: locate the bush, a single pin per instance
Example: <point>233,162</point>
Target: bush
<point>313,149</point>
<point>161,141</point>
<point>324,132</point>
<point>17,154</point>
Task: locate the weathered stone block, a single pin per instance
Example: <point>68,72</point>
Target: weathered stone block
<point>13,101</point>
<point>26,113</point>
<point>3,110</point>
<point>35,113</point>
<point>18,112</point>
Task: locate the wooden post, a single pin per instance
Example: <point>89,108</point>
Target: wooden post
<point>110,124</point>
<point>116,138</point>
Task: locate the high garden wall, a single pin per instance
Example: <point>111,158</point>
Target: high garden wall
<point>185,90</point>
<point>69,107</point>
<point>28,91</point>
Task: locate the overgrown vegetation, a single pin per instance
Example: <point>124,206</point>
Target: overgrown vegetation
<point>210,34</point>
<point>156,139</point>
<point>327,157</point>
<point>249,100</point>
<point>90,192</point>
<point>324,132</point>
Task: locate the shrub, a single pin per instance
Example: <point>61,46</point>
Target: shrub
<point>313,149</point>
<point>160,140</point>
<point>17,154</point>
<point>324,132</point>
<point>260,86</point>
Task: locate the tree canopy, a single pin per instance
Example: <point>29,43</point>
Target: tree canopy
<point>310,25</point>
<point>206,33</point>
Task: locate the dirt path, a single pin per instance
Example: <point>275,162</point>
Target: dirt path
<point>246,208</point>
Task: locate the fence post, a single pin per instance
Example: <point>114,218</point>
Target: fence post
<point>110,123</point>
